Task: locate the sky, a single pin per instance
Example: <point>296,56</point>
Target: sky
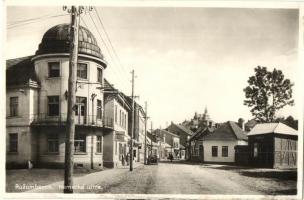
<point>185,58</point>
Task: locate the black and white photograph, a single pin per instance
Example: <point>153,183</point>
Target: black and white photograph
<point>153,100</point>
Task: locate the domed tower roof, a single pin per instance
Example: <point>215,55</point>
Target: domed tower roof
<point>56,40</point>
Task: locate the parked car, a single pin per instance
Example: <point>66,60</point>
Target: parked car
<point>152,159</point>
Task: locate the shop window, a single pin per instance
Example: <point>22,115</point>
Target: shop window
<point>53,143</point>
<point>99,144</point>
<point>214,151</point>
<point>13,142</point>
<point>54,69</point>
<point>13,106</point>
<point>82,71</point>
<point>80,143</point>
<point>224,151</point>
<point>53,105</point>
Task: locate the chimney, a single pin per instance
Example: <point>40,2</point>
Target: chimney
<point>241,123</point>
<point>210,124</point>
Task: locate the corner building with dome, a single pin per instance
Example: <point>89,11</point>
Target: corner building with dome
<point>36,103</point>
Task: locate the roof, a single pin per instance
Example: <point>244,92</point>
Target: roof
<point>201,131</point>
<point>56,40</point>
<point>109,89</point>
<point>227,131</point>
<point>20,71</point>
<point>167,132</point>
<point>166,145</point>
<point>251,123</point>
<point>276,128</point>
<point>184,129</point>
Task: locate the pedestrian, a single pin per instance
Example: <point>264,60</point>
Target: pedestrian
<point>122,160</point>
<point>170,157</point>
<point>127,158</point>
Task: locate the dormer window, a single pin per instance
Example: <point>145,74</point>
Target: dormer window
<point>54,69</point>
<point>82,69</point>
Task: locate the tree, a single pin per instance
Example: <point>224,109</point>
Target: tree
<point>289,121</point>
<point>267,93</point>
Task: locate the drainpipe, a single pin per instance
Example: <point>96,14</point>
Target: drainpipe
<point>92,151</point>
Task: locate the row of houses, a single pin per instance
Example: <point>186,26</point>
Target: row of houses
<point>36,99</point>
<point>265,145</point>
<point>240,143</point>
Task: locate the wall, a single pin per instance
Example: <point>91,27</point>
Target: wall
<point>111,148</point>
<point>26,147</point>
<point>59,85</point>
<point>182,136</point>
<point>285,151</point>
<point>208,151</point>
<point>57,159</point>
<point>27,107</point>
<point>265,153</point>
<point>195,154</point>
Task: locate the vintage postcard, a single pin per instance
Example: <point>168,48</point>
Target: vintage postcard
<point>152,100</point>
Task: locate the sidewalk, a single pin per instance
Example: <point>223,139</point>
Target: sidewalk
<point>135,165</point>
<point>97,182</point>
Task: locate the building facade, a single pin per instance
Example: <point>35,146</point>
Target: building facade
<point>273,145</point>
<point>116,141</point>
<point>184,134</point>
<point>219,146</point>
<point>37,104</point>
<point>196,144</point>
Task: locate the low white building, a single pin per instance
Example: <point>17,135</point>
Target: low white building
<point>219,146</point>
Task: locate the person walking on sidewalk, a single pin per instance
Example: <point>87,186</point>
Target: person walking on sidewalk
<point>127,158</point>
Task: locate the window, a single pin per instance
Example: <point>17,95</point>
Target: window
<point>80,143</point>
<point>53,104</point>
<point>54,69</point>
<point>82,70</point>
<point>119,117</point>
<point>99,75</point>
<point>214,151</point>
<point>115,148</point>
<point>13,142</point>
<point>175,145</point>
<point>80,107</point>
<point>99,144</point>
<point>224,151</point>
<point>13,106</point>
<point>125,120</point>
<point>53,143</point>
<point>99,109</point>
<point>115,114</point>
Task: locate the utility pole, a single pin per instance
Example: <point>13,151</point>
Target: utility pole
<point>70,134</point>
<point>69,140</point>
<point>132,124</point>
<point>151,139</point>
<point>146,118</point>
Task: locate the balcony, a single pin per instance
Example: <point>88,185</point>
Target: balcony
<point>61,120</point>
